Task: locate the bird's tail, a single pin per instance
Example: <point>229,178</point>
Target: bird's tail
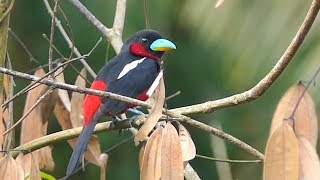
<point>82,144</point>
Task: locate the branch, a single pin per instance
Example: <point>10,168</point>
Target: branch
<point>217,132</point>
<point>114,34</point>
<point>268,80</point>
<point>68,40</point>
<point>181,118</point>
<point>73,88</point>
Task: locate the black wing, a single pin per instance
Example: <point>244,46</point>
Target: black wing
<point>131,85</point>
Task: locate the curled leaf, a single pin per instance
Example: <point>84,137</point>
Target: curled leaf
<point>305,116</point>
<point>35,125</point>
<point>309,160</point>
<point>171,159</point>
<point>103,159</point>
<point>282,155</point>
<point>187,144</point>
<point>154,116</point>
<point>9,169</point>
<point>151,161</point>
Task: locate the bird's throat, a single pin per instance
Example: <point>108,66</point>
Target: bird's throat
<point>140,50</point>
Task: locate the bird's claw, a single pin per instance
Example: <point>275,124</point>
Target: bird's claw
<point>115,119</point>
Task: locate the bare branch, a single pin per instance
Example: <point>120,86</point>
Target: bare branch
<point>113,35</point>
<point>217,132</point>
<point>53,25</point>
<point>68,40</point>
<point>119,17</point>
<point>73,88</point>
<point>268,80</point>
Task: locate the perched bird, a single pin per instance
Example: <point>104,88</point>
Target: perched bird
<point>130,73</point>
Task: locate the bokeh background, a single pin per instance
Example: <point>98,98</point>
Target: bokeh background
<point>220,52</point>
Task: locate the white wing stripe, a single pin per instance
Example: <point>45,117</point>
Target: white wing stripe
<point>129,67</point>
<point>155,84</point>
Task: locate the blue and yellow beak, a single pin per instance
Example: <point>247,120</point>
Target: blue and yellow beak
<point>162,45</point>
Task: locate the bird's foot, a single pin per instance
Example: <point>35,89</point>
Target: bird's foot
<point>115,119</point>
<point>135,111</point>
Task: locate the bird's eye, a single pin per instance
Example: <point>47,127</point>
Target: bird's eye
<point>144,40</point>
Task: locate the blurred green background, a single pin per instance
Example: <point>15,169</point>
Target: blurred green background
<point>220,52</point>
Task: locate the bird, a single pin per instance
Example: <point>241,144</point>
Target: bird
<point>130,73</point>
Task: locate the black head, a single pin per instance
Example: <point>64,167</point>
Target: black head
<point>148,43</point>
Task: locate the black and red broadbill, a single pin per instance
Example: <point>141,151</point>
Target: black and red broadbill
<point>130,73</point>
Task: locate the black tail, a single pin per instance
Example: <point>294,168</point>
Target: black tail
<point>82,144</point>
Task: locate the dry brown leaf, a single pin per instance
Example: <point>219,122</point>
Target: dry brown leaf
<point>33,172</point>
<point>77,99</point>
<point>219,3</point>
<point>35,126</point>
<point>187,144</point>
<point>10,169</point>
<point>103,159</point>
<point>151,161</point>
<point>306,123</point>
<point>171,161</point>
<point>63,94</point>
<point>6,83</point>
<point>154,116</point>
<point>141,152</point>
<point>309,160</point>
<point>2,124</point>
<point>282,155</point>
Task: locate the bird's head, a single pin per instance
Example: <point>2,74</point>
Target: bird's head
<point>148,43</point>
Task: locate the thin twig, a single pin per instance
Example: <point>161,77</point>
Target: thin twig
<point>16,37</point>
<point>53,25</point>
<point>41,98</point>
<point>265,82</point>
<point>114,35</point>
<point>146,13</point>
<point>228,160</point>
<point>24,90</point>
<point>216,132</point>
<point>73,87</point>
<point>313,78</point>
<point>68,40</point>
<point>173,95</point>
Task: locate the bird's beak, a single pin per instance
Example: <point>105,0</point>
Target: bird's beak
<point>162,45</point>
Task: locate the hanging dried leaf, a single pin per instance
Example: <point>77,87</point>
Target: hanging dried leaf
<point>63,94</point>
<point>309,160</point>
<point>103,159</point>
<point>35,126</point>
<point>171,161</point>
<point>219,3</point>
<point>187,144</point>
<point>306,123</point>
<point>282,155</point>
<point>2,122</point>
<point>10,169</point>
<point>151,161</point>
<point>154,116</point>
<point>141,153</point>
<point>77,99</point>
<point>34,172</point>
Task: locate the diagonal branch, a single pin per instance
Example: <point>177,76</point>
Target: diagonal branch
<point>73,87</point>
<point>268,80</point>
<point>68,40</point>
<point>114,34</point>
